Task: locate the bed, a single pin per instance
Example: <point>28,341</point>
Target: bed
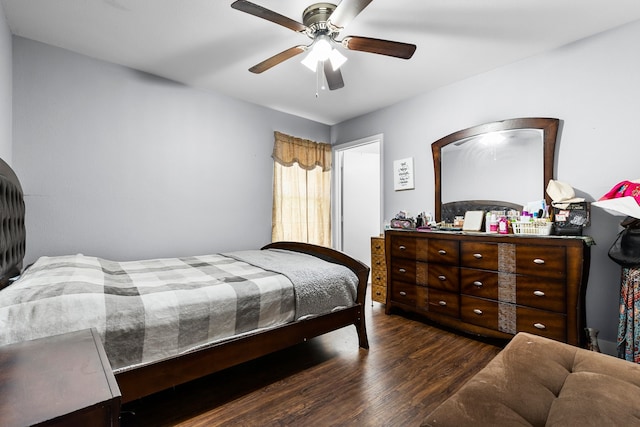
<point>231,307</point>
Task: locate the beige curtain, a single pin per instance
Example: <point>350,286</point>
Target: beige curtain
<point>301,191</point>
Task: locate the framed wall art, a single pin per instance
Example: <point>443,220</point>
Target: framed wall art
<point>403,174</point>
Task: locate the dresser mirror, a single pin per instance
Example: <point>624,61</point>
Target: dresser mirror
<point>494,166</point>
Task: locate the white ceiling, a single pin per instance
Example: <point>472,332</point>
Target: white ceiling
<point>209,45</point>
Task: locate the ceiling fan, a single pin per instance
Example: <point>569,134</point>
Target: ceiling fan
<point>322,22</point>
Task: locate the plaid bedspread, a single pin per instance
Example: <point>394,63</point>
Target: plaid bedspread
<point>147,310</point>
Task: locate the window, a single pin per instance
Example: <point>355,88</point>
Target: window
<point>301,190</point>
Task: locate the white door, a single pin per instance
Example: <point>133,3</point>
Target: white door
<point>359,199</point>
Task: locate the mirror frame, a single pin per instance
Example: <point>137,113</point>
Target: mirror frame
<point>550,131</point>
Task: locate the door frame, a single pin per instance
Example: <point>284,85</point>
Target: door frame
<point>337,202</point>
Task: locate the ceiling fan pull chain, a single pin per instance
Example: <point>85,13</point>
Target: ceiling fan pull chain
<point>319,78</point>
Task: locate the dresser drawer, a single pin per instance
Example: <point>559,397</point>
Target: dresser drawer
<point>379,293</point>
<point>444,277</point>
<point>480,255</point>
<point>479,283</point>
<point>379,277</point>
<point>404,293</point>
<point>446,303</point>
<point>432,250</point>
<point>478,311</point>
<point>378,262</point>
<point>547,294</point>
<point>540,322</point>
<point>408,247</point>
<point>408,271</point>
<point>443,251</point>
<point>439,276</point>
<point>545,261</point>
<point>377,246</point>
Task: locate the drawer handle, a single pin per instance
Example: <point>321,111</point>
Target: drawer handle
<point>539,326</point>
<point>378,293</point>
<point>478,284</point>
<point>538,293</point>
<point>442,278</point>
<point>538,261</point>
<point>378,277</point>
<point>442,303</point>
<point>378,263</point>
<point>402,247</point>
<point>477,311</point>
<point>402,270</point>
<point>403,293</point>
<point>378,246</point>
<point>477,256</point>
<point>442,252</point>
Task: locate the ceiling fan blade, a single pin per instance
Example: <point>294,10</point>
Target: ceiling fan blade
<point>381,47</point>
<point>269,15</point>
<point>276,59</point>
<point>346,11</point>
<point>334,77</point>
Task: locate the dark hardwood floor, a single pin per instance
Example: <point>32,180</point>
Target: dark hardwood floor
<point>409,369</point>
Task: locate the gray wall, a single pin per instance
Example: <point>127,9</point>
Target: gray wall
<point>592,85</point>
<point>5,90</point>
<point>124,165</point>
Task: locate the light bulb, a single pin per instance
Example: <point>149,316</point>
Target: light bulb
<point>311,61</point>
<point>337,59</point>
<point>322,47</point>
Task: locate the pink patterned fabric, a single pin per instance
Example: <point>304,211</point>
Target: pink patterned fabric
<point>624,189</point>
<point>629,325</point>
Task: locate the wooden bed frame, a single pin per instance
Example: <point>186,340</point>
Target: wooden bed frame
<point>154,377</point>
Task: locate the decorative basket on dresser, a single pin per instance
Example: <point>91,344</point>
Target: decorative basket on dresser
<point>491,285</point>
<point>378,270</point>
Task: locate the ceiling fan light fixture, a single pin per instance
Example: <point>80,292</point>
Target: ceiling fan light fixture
<point>322,47</point>
<point>337,59</point>
<point>311,61</point>
<point>322,50</point>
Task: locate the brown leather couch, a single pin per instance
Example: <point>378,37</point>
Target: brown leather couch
<point>536,381</point>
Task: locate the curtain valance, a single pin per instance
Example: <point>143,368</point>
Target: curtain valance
<point>288,150</point>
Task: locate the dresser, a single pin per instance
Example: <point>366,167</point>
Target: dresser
<point>378,270</point>
<point>490,285</point>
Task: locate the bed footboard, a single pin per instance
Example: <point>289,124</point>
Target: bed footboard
<point>332,255</point>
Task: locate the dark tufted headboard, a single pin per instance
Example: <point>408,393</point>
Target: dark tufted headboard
<point>12,228</point>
